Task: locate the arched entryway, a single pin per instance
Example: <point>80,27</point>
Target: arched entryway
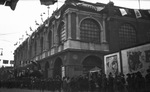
<point>46,69</point>
<point>57,68</point>
<point>92,66</point>
<point>91,62</point>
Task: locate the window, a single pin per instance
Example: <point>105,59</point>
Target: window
<point>5,61</point>
<point>90,31</point>
<point>62,33</point>
<point>50,39</point>
<point>127,36</point>
<point>41,42</point>
<point>11,62</point>
<point>35,47</point>
<point>148,36</point>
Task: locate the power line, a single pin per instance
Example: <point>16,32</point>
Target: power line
<point>1,34</point>
<point>5,40</point>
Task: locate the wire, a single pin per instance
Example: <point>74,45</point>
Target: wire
<point>5,40</point>
<point>8,33</point>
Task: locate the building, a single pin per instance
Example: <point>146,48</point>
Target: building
<point>6,63</point>
<point>76,37</point>
<point>5,60</point>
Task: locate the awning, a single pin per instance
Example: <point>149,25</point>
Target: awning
<point>95,69</point>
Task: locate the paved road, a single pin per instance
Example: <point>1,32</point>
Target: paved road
<point>27,90</point>
<point>20,90</point>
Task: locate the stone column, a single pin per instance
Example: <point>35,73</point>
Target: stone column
<point>103,33</point>
<point>69,25</point>
<point>77,27</point>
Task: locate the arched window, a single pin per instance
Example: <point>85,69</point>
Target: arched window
<point>127,36</point>
<point>50,39</point>
<point>90,31</point>
<point>41,42</point>
<point>35,47</point>
<point>61,32</point>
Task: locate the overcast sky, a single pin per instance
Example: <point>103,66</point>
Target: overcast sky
<point>14,24</point>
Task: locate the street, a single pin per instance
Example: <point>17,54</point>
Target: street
<point>20,90</point>
<point>25,90</point>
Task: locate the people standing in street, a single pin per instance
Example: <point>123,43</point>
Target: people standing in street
<point>129,82</point>
<point>147,78</point>
<point>110,82</point>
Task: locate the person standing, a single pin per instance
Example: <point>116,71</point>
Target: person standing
<point>147,77</point>
<point>110,82</point>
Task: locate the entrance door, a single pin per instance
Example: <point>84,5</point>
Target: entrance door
<point>57,72</point>
<point>46,69</point>
<point>91,62</point>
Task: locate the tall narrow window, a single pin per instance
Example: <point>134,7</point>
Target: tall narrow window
<point>41,42</point>
<point>50,39</point>
<point>35,46</point>
<point>127,36</point>
<point>90,31</point>
<point>61,32</point>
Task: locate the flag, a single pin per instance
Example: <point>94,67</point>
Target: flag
<point>15,43</point>
<point>123,11</point>
<point>145,14</point>
<point>31,29</point>
<point>137,13</point>
<point>48,2</point>
<point>11,3</point>
<point>27,34</point>
<point>36,23</point>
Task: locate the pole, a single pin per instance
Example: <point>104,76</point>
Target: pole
<point>139,4</point>
<point>48,10</point>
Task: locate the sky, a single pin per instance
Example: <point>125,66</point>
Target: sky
<point>15,24</point>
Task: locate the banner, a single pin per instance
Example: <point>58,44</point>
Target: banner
<point>123,12</point>
<point>112,64</point>
<point>136,59</point>
<point>137,13</point>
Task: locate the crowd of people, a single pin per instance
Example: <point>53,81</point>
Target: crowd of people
<point>134,82</point>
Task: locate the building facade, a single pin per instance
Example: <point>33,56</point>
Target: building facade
<point>5,60</point>
<point>76,37</point>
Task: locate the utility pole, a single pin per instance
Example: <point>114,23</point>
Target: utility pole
<point>139,4</point>
<point>48,11</point>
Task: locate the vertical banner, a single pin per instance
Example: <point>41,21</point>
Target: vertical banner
<point>136,59</point>
<point>112,64</point>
